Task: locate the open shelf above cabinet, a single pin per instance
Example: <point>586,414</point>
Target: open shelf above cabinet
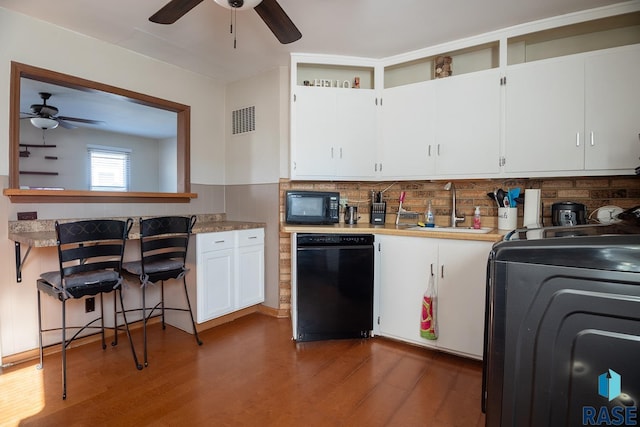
<point>462,61</point>
<point>341,76</point>
<point>604,33</point>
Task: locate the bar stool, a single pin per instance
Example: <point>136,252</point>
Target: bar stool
<point>163,250</point>
<point>90,261</point>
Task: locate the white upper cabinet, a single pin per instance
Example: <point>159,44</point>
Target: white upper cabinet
<point>545,116</point>
<point>335,133</point>
<point>334,125</point>
<point>407,148</point>
<point>612,110</point>
<point>574,114</point>
<point>468,125</point>
<point>448,127</point>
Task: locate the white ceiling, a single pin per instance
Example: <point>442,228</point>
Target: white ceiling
<point>200,40</point>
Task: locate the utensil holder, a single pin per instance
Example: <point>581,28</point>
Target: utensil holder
<point>507,218</point>
<point>378,213</point>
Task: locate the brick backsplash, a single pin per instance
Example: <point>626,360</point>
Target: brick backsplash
<point>594,192</point>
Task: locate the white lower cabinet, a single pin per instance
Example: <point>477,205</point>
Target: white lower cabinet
<point>459,268</point>
<point>250,256</point>
<point>230,272</point>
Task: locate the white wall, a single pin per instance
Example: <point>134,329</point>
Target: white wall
<point>254,157</point>
<point>168,177</point>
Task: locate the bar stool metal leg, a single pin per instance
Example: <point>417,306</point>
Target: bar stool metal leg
<point>41,364</point>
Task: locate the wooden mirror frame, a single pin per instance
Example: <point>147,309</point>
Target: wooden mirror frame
<point>17,195</point>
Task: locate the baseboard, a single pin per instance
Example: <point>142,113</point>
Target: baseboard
<point>33,354</point>
<point>29,355</point>
<point>273,312</point>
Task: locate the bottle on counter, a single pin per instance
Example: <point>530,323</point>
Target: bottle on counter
<point>429,221</point>
<point>477,223</point>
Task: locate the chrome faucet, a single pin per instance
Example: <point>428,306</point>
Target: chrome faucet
<point>454,218</point>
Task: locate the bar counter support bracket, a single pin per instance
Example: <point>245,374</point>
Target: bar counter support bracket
<point>20,262</point>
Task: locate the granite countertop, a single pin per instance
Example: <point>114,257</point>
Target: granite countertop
<point>41,233</point>
<point>494,235</point>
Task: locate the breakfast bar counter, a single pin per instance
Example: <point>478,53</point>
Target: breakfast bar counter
<point>41,233</point>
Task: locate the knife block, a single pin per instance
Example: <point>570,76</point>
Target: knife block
<point>378,213</point>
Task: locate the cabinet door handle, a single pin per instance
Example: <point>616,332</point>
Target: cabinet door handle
<point>219,241</point>
<point>340,152</point>
<point>438,149</point>
<point>332,152</point>
<point>432,269</point>
<point>577,139</point>
<point>429,152</point>
<point>253,237</point>
<point>442,271</point>
<point>593,142</point>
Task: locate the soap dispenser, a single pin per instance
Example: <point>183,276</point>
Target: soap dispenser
<point>476,219</point>
<point>429,217</point>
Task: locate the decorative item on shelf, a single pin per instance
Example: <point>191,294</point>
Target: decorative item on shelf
<point>346,84</point>
<point>356,82</point>
<point>443,66</point>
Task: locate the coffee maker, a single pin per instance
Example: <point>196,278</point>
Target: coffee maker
<point>568,214</point>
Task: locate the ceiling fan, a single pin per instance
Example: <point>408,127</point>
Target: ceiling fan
<point>269,10</point>
<point>44,116</point>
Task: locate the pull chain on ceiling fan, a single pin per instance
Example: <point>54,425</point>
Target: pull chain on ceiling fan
<point>269,10</point>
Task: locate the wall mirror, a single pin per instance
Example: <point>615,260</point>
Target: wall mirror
<point>61,126</point>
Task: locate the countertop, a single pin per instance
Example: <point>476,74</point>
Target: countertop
<point>41,233</point>
<point>493,235</point>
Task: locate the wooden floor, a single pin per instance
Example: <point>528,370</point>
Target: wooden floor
<point>247,373</point>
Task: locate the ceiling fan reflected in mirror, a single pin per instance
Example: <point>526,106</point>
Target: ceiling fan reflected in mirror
<point>44,116</point>
<point>269,10</point>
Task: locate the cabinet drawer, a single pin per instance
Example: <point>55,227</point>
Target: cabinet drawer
<point>253,236</point>
<point>215,241</point>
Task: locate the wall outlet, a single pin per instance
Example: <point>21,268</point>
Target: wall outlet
<point>89,305</point>
<point>23,216</point>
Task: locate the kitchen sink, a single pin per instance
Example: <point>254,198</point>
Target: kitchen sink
<point>482,230</point>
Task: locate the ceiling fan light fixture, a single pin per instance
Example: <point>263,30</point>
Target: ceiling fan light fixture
<point>44,123</point>
<point>238,4</point>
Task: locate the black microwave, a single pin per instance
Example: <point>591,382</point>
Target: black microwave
<point>311,207</point>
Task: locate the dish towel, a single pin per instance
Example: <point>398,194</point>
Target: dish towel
<point>428,326</point>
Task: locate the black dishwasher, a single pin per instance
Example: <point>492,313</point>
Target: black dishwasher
<point>333,293</point>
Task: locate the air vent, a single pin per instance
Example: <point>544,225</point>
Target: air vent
<point>243,120</point>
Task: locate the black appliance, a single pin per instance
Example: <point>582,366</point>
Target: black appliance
<point>562,327</point>
<point>568,213</point>
<point>332,297</point>
<point>312,207</point>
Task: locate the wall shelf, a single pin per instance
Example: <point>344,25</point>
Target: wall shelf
<point>37,173</point>
<point>37,146</point>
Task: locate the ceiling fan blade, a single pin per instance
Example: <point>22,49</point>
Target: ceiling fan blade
<point>64,124</point>
<point>75,119</point>
<point>278,22</point>
<point>173,11</point>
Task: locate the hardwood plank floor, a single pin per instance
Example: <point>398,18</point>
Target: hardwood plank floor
<point>247,373</point>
